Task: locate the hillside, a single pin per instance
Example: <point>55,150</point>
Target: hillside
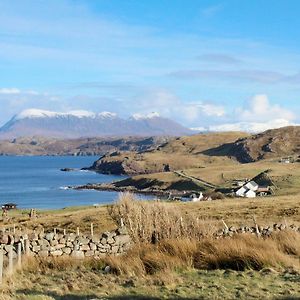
<point>205,149</point>
<point>77,124</point>
<point>180,153</point>
<point>188,163</point>
<point>275,143</point>
<point>83,146</point>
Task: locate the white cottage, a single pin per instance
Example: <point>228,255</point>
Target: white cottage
<point>252,185</point>
<point>250,194</point>
<point>248,190</point>
<point>241,192</point>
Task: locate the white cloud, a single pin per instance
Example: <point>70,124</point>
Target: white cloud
<point>257,115</point>
<point>251,126</point>
<point>259,109</point>
<point>169,105</point>
<point>213,110</point>
<point>9,91</point>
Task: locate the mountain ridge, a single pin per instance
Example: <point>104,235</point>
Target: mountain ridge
<point>83,124</point>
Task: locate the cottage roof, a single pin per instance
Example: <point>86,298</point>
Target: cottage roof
<point>252,185</point>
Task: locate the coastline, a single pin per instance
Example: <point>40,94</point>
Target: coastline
<point>131,189</point>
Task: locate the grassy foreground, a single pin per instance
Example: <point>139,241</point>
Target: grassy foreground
<point>184,263</point>
<point>189,284</point>
<point>267,210</point>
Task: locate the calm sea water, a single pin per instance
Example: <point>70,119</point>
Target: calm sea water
<point>37,182</point>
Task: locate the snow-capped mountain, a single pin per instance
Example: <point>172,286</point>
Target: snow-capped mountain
<point>75,124</point>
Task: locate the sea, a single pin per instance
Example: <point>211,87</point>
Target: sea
<point>37,182</point>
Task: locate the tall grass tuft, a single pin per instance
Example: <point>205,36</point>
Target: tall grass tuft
<point>156,221</point>
<point>241,252</point>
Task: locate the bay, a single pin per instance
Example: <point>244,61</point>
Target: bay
<point>37,182</point>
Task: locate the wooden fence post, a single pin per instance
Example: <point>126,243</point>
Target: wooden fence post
<point>19,255</point>
<point>77,231</point>
<point>226,227</point>
<point>10,261</point>
<point>27,247</point>
<point>65,232</point>
<point>92,229</point>
<point>1,265</point>
<point>256,226</point>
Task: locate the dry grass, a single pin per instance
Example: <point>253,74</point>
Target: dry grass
<point>182,262</point>
<point>239,253</point>
<point>69,219</point>
<point>155,221</point>
<point>288,242</point>
<point>64,263</point>
<point>163,226</point>
<point>270,210</point>
<point>242,252</point>
<point>235,212</point>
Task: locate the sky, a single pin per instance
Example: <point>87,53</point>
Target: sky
<point>218,65</point>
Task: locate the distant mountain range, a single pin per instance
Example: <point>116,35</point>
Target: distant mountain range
<point>78,124</point>
<point>78,147</point>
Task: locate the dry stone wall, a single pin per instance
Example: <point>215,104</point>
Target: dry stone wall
<point>108,243</point>
<point>78,246</point>
<point>263,231</point>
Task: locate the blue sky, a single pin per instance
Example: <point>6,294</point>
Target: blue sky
<point>216,64</point>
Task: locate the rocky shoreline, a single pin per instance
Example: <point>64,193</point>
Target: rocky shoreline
<point>112,188</point>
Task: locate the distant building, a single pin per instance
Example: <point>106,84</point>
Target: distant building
<point>251,189</point>
<point>287,160</point>
<point>252,185</point>
<point>9,206</point>
<point>250,194</point>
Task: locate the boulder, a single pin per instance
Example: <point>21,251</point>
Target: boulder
<point>4,239</point>
<point>36,248</point>
<point>43,242</point>
<point>77,254</point>
<point>53,242</point>
<point>122,239</point>
<point>103,241</point>
<point>110,240</point>
<point>66,250</point>
<point>93,246</point>
<point>49,236</point>
<point>82,240</point>
<point>33,236</point>
<point>59,246</point>
<point>84,248</point>
<point>43,253</point>
<point>122,231</point>
<point>69,244</point>
<point>56,253</point>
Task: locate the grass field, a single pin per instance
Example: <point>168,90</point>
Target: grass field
<point>83,284</point>
<point>267,210</point>
<point>173,268</point>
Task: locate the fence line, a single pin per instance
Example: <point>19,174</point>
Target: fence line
<point>14,262</point>
<point>17,243</point>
